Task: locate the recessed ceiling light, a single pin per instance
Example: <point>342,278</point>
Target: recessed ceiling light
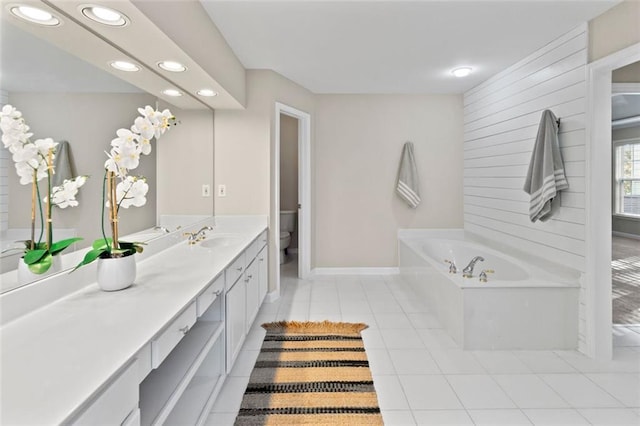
<point>104,15</point>
<point>172,92</point>
<point>462,71</point>
<point>207,92</point>
<point>125,66</point>
<point>35,15</point>
<point>172,66</point>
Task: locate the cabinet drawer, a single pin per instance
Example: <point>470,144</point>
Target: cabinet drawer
<point>235,270</point>
<point>144,362</point>
<point>251,252</point>
<point>115,403</point>
<point>162,345</point>
<point>215,289</point>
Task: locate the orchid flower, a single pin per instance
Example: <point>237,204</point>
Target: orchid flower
<point>132,192</point>
<point>64,195</point>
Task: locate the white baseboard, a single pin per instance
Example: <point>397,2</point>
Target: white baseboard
<point>625,235</point>
<point>355,271</point>
<point>272,296</point>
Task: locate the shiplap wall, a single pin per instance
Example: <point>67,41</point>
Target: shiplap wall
<point>501,118</point>
<point>4,176</point>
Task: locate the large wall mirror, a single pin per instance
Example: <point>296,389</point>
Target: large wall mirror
<point>65,98</point>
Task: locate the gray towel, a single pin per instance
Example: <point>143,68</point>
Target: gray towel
<point>545,177</point>
<point>407,186</point>
<point>62,164</point>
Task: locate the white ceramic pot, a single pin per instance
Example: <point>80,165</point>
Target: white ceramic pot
<point>116,273</point>
<point>25,276</point>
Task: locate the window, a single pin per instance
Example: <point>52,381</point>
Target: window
<point>627,179</point>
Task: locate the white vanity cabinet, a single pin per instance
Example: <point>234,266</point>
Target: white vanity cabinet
<point>263,273</point>
<point>235,320</point>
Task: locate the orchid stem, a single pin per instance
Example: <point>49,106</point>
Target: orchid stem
<point>48,205</point>
<point>34,192</point>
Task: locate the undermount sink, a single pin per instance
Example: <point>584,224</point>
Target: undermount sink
<point>221,240</point>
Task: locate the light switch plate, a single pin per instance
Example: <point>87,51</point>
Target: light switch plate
<point>206,190</point>
<point>222,190</point>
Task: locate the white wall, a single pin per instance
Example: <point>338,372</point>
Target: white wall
<point>244,141</point>
<point>501,122</point>
<point>501,118</point>
<point>359,140</point>
<point>185,157</point>
<point>89,122</point>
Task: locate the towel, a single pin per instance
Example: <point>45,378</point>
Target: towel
<point>407,186</point>
<point>62,164</point>
<point>545,177</point>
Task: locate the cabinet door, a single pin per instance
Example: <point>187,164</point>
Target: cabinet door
<point>235,320</point>
<point>252,282</point>
<point>263,273</point>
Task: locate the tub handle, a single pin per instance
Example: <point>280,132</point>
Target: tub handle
<point>452,266</point>
<point>483,275</point>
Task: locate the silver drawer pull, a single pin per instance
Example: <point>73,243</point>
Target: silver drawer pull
<point>239,269</point>
<point>250,276</point>
<point>246,280</point>
<point>217,292</point>
<point>262,259</point>
<point>184,329</point>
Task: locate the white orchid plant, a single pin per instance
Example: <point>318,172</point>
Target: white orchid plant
<point>34,162</point>
<point>122,190</point>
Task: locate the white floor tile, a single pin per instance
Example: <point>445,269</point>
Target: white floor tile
<point>498,417</point>
<point>479,391</point>
<point>393,321</point>
<point>230,396</point>
<point>456,361</point>
<point>529,391</point>
<point>555,417</point>
<point>624,387</point>
<point>368,319</point>
<point>625,360</point>
<point>386,305</point>
<point>442,417</point>
<point>412,305</point>
<point>244,363</point>
<point>436,338</point>
<point>254,339</point>
<point>372,339</point>
<point>356,307</point>
<point>398,418</point>
<point>501,362</point>
<point>401,339</point>
<point>380,362</point>
<point>611,417</point>
<point>424,320</point>
<point>413,361</point>
<point>221,419</point>
<point>335,316</point>
<point>579,391</point>
<point>390,393</point>
<point>544,362</point>
<point>429,393</point>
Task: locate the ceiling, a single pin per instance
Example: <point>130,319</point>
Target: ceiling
<point>355,46</point>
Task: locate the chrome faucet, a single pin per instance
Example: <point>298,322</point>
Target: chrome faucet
<point>452,267</point>
<point>467,272</point>
<point>161,228</point>
<point>194,237</point>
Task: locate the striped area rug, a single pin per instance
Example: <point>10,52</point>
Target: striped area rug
<point>311,373</point>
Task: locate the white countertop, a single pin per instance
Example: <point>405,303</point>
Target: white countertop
<point>55,358</point>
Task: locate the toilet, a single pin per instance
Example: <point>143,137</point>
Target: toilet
<point>287,227</point>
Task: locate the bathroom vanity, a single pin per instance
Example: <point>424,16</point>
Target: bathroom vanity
<point>155,353</point>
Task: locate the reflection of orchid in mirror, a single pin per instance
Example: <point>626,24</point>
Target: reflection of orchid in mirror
<point>34,162</point>
<point>121,189</point>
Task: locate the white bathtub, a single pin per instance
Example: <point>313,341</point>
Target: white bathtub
<point>520,307</point>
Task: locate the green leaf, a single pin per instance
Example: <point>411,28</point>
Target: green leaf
<point>102,243</point>
<point>61,245</point>
<point>90,256</point>
<point>42,266</point>
<point>33,256</point>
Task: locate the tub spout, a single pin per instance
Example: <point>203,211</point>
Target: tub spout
<point>467,272</point>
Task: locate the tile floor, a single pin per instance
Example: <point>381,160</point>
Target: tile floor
<point>423,378</point>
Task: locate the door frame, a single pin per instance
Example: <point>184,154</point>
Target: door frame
<point>599,341</point>
<point>304,188</point>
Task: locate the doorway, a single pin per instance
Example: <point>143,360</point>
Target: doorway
<point>599,212</point>
<point>304,193</point>
<point>625,191</point>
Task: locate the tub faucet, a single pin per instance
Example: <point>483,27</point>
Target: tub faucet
<point>161,228</point>
<point>467,272</point>
<point>452,267</point>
